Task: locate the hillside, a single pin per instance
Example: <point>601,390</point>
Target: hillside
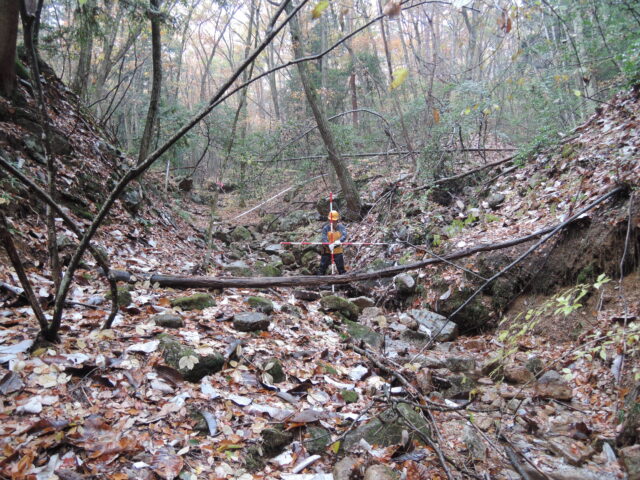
<point>537,377</point>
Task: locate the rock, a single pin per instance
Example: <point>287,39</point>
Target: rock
<point>575,452</point>
<point>630,430</point>
<point>250,321</point>
<point>173,351</point>
<point>124,295</point>
<point>369,313</point>
<point>295,220</point>
<point>405,284</point>
<point>349,396</point>
<point>535,365</point>
<point>475,444</point>
<point>386,429</point>
<point>239,269</point>
<point>306,295</point>
<point>476,315</point>
<point>132,199</point>
<point>261,304</point>
<point>342,305</point>
<point>460,387</point>
<point>274,368</point>
<point>319,440</point>
<point>496,200</point>
<point>199,301</point>
<point>270,270</point>
<point>379,472</point>
<point>434,324</point>
<point>423,379</point>
<point>518,374</point>
<point>364,333</point>
<point>363,302</point>
<point>460,364</point>
<point>343,469</point>
<point>553,385</point>
<point>630,457</point>
<point>241,234</point>
<point>274,249</point>
<point>168,320</point>
<point>274,440</point>
<point>185,184</point>
<point>287,258</point>
<point>309,259</point>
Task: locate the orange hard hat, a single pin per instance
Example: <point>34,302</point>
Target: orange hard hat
<point>334,216</point>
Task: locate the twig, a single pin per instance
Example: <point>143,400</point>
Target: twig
<point>513,459</point>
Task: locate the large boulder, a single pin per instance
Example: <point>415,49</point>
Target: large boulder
<point>241,234</point>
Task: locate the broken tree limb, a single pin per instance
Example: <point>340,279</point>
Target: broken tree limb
<point>173,281</point>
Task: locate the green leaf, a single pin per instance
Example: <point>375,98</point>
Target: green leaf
<point>577,93</point>
<point>399,77</point>
<point>319,8</point>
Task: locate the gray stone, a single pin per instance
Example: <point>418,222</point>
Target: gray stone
<point>535,365</point>
<point>369,313</point>
<point>518,374</point>
<point>274,249</point>
<point>475,444</point>
<point>436,325</point>
<point>363,302</point>
<point>460,387</point>
<point>386,429</point>
<point>274,440</point>
<point>460,364</point>
<point>295,220</point>
<point>631,459</point>
<point>261,304</point>
<point>270,270</point>
<point>379,472</point>
<point>168,320</point>
<point>124,295</point>
<point>496,200</point>
<point>343,469</point>
<point>405,284</point>
<point>342,305</point>
<point>553,385</point>
<point>239,269</point>
<point>250,321</point>
<point>306,295</point>
<point>198,301</point>
<point>132,199</point>
<point>575,452</point>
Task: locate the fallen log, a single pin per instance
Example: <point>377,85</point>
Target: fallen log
<point>313,280</point>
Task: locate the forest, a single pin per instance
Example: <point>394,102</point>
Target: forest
<point>319,239</point>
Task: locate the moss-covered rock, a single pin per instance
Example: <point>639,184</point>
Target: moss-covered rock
<point>339,304</point>
<point>124,295</point>
<point>173,351</point>
<point>270,270</point>
<point>475,316</point>
<point>364,333</point>
<point>318,441</point>
<point>239,269</point>
<point>261,304</point>
<point>168,320</point>
<point>274,368</point>
<point>241,234</point>
<point>387,428</point>
<point>349,396</point>
<point>287,258</point>
<point>309,258</point>
<point>199,301</point>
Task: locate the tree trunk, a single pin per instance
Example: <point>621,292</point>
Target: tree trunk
<point>154,99</point>
<point>8,36</point>
<point>344,177</point>
<point>86,14</point>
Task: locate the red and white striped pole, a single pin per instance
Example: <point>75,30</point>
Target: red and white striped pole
<point>333,270</point>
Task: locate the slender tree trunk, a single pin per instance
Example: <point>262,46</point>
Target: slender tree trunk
<point>273,86</point>
<point>154,100</point>
<point>344,177</point>
<point>9,10</point>
<point>85,14</point>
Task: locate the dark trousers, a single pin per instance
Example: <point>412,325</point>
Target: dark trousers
<point>325,261</point>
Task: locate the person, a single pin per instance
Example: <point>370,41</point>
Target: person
<point>333,234</point>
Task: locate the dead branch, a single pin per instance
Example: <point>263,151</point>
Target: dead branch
<point>7,241</point>
<point>402,152</point>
